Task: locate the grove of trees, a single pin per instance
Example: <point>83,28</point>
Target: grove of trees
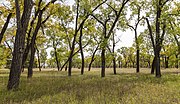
<point>86,34</point>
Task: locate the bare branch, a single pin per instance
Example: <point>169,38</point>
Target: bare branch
<point>112,9</point>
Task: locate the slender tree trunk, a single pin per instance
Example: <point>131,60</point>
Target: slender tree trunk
<point>57,60</point>
<point>55,53</point>
<point>114,65</point>
<point>66,68</point>
<point>103,61</point>
<point>71,56</point>
<point>153,66</point>
<point>81,50</point>
<point>166,62</point>
<point>74,40</point>
<point>114,57</point>
<point>39,61</point>
<point>137,61</point>
<point>92,58</point>
<point>90,64</point>
<point>25,55</point>
<point>137,50</point>
<point>22,25</point>
<point>28,45</point>
<point>30,67</point>
<point>5,27</point>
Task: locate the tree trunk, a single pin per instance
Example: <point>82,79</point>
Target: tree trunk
<point>71,56</point>
<point>177,62</point>
<point>31,62</point>
<point>92,58</point>
<point>158,40</point>
<point>57,60</point>
<point>114,65</point>
<point>66,68</point>
<point>74,40</point>
<point>166,62</point>
<point>103,61</point>
<point>55,53</point>
<point>153,66</point>
<point>158,71</point>
<point>81,50</point>
<point>39,61</point>
<point>137,61</point>
<point>114,57</point>
<point>5,27</point>
<point>30,67</point>
<point>25,55</point>
<point>22,25</point>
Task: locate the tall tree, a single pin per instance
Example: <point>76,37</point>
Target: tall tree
<point>137,8</point>
<point>22,25</point>
<point>107,33</point>
<point>160,30</point>
<point>159,37</point>
<point>77,28</point>
<point>33,39</point>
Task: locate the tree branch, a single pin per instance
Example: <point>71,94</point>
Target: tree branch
<point>115,11</point>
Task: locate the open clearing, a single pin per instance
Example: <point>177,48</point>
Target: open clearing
<point>127,87</point>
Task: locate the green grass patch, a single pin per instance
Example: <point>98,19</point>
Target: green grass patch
<point>127,87</point>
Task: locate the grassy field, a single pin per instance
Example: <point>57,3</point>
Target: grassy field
<point>127,87</point>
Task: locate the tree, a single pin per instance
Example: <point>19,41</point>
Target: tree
<point>22,25</point>
<point>33,39</point>
<point>77,29</point>
<point>137,7</point>
<point>106,35</point>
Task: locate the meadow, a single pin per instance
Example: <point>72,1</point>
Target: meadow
<point>127,87</point>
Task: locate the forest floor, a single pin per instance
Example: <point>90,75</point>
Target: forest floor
<point>127,87</point>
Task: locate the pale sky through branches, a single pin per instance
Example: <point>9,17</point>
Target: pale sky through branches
<point>126,38</point>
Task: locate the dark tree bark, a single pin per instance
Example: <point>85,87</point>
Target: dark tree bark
<point>113,52</point>
<point>22,25</point>
<point>31,62</point>
<point>166,62</point>
<point>28,45</point>
<point>153,44</point>
<point>5,27</point>
<point>92,58</point>
<point>39,23</point>
<point>81,50</point>
<point>157,51</point>
<point>103,62</point>
<point>55,53</point>
<point>159,38</point>
<point>153,66</point>
<point>39,60</point>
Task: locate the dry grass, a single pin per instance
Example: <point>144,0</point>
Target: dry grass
<point>127,87</point>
